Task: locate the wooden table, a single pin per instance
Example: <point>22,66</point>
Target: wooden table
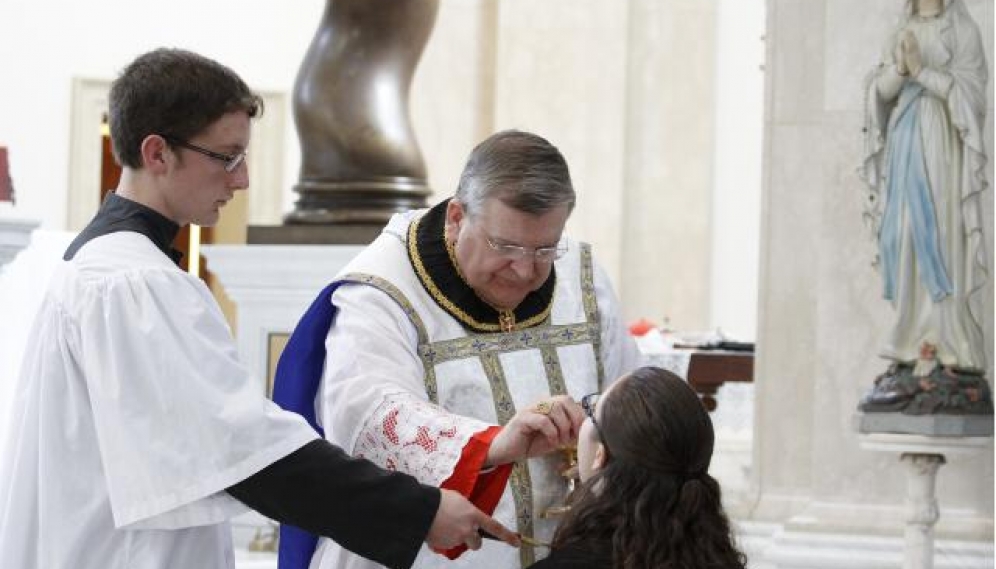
<point>709,369</point>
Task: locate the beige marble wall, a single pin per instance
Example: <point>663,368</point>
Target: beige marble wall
<point>821,318</point>
<point>669,160</point>
<point>561,72</point>
<point>624,90</point>
<point>453,90</point>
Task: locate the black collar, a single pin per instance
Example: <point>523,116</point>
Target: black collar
<point>441,279</point>
<point>121,214</point>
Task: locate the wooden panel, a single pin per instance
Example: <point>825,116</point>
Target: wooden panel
<point>6,186</point>
<point>708,370</point>
<point>276,344</point>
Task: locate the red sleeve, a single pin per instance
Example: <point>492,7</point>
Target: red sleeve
<point>484,489</point>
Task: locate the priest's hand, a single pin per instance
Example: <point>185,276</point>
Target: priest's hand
<point>458,522</point>
<point>537,430</point>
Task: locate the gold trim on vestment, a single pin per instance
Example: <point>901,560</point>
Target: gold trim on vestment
<point>455,310</point>
<point>590,302</point>
<point>522,492</point>
<point>530,339</point>
<point>520,480</point>
<point>395,293</point>
<point>554,374</point>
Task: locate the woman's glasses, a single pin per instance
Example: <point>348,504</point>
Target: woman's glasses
<point>588,403</point>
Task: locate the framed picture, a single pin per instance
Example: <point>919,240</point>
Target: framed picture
<point>275,347</point>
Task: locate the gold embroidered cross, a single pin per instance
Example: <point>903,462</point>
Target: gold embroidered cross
<point>506,320</point>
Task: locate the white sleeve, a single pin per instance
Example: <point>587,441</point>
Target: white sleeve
<point>373,399</point>
<point>178,418</point>
<point>620,354</point>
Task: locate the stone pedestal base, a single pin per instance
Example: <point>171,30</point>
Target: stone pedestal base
<point>929,425</point>
<point>921,456</point>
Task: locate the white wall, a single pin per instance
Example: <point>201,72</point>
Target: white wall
<point>44,44</point>
<point>736,212</point>
<point>625,89</point>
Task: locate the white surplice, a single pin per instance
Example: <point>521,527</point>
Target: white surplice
<point>131,417</point>
<point>407,386</point>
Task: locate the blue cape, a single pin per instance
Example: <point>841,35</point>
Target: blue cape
<point>298,376</point>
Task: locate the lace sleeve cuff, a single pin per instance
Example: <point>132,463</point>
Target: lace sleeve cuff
<point>411,435</point>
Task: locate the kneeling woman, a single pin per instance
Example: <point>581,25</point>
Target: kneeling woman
<point>646,499</point>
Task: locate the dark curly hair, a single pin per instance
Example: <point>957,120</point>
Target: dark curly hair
<point>172,92</point>
<point>653,498</point>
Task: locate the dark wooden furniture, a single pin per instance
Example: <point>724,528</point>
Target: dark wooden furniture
<point>6,185</point>
<point>709,369</point>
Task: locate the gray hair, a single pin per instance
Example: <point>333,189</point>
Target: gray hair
<point>522,170</point>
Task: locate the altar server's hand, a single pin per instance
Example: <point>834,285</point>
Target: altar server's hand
<point>537,430</point>
<point>458,522</point>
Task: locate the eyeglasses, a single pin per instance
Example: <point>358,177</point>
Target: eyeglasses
<point>539,254</point>
<point>588,403</point>
<point>231,161</point>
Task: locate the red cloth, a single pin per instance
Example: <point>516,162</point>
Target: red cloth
<point>641,327</point>
<point>484,489</point>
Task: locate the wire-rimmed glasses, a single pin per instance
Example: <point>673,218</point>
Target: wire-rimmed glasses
<point>539,254</point>
<point>588,403</point>
<point>232,161</point>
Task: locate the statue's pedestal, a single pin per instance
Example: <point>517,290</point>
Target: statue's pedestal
<point>921,456</point>
<point>938,425</point>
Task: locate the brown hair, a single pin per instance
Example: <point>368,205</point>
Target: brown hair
<point>172,92</point>
<point>654,500</point>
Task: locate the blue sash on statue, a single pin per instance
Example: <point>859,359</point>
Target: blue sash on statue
<point>298,376</point>
<point>907,187</point>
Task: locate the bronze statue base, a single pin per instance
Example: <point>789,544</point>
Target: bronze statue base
<point>339,234</point>
<point>356,202</point>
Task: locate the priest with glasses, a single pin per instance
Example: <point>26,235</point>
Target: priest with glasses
<point>454,349</point>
